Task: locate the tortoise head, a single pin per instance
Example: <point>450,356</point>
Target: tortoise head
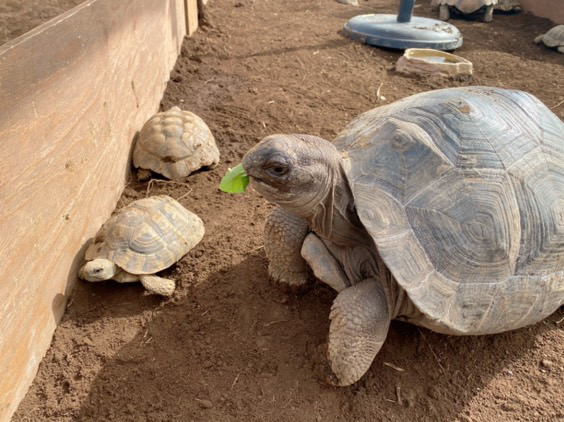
<point>293,171</point>
<point>98,270</point>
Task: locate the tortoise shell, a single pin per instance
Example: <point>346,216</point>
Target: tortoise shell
<point>175,143</point>
<point>508,5</point>
<point>147,235</point>
<point>554,37</point>
<point>467,6</point>
<point>462,190</point>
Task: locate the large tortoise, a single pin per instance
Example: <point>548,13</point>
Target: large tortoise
<point>175,143</point>
<point>444,209</point>
<point>141,239</point>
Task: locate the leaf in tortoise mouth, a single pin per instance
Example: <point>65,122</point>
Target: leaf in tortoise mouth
<point>235,180</point>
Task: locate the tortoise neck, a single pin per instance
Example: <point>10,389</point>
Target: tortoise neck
<point>335,218</point>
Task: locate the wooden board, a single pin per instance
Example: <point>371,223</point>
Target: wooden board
<point>191,7</point>
<point>73,92</point>
<point>551,9</point>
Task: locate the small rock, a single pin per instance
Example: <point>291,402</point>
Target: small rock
<point>508,372</point>
<point>433,392</point>
<point>546,363</point>
<point>205,404</point>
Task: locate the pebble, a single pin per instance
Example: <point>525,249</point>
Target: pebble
<point>546,363</point>
<point>433,392</point>
<point>205,404</point>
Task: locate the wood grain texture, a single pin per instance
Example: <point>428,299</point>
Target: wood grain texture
<point>462,190</point>
<point>191,7</point>
<point>73,92</point>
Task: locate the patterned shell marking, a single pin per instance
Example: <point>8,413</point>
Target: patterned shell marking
<point>175,143</point>
<point>462,190</point>
<point>147,235</point>
<point>554,37</point>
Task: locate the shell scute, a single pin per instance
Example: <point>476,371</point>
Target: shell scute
<point>462,190</point>
<point>147,235</point>
<point>175,143</point>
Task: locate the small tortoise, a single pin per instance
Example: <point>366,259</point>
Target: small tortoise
<point>175,143</point>
<point>466,7</point>
<point>141,239</point>
<point>508,5</point>
<point>444,209</point>
<point>553,38</point>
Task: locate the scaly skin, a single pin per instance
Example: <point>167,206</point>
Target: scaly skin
<point>359,326</point>
<point>158,285</point>
<point>303,174</point>
<point>284,235</point>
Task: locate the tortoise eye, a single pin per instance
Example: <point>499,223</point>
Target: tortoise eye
<point>278,170</point>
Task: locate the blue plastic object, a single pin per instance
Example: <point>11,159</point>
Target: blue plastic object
<point>404,30</point>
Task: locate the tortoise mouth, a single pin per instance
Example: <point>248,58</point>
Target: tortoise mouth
<point>262,185</point>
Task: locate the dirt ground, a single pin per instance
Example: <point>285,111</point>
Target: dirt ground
<point>232,346</point>
<point>19,16</point>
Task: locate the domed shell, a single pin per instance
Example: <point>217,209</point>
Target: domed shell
<point>508,5</point>
<point>147,235</point>
<point>462,190</point>
<point>175,143</point>
<point>467,6</point>
<point>554,37</point>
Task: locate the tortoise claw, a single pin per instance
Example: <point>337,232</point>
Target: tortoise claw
<point>322,368</point>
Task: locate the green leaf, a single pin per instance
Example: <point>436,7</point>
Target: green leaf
<point>235,180</point>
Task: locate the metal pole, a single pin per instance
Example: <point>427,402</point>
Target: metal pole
<point>406,10</point>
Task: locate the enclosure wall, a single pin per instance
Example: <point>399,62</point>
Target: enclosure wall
<point>551,9</point>
<point>73,92</point>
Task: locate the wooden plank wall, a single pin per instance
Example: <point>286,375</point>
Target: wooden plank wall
<point>73,92</point>
<point>551,9</point>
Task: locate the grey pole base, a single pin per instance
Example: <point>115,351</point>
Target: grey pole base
<point>385,31</point>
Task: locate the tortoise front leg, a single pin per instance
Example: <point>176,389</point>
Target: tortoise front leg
<point>488,16</point>
<point>359,325</point>
<point>284,234</point>
<point>324,265</point>
<point>158,285</point>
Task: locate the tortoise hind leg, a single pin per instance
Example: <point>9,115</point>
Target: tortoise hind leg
<point>359,325</point>
<point>561,49</point>
<point>444,12</point>
<point>284,234</point>
<point>158,285</point>
<point>488,16</point>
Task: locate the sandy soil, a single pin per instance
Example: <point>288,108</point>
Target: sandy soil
<point>19,16</point>
<point>231,346</point>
